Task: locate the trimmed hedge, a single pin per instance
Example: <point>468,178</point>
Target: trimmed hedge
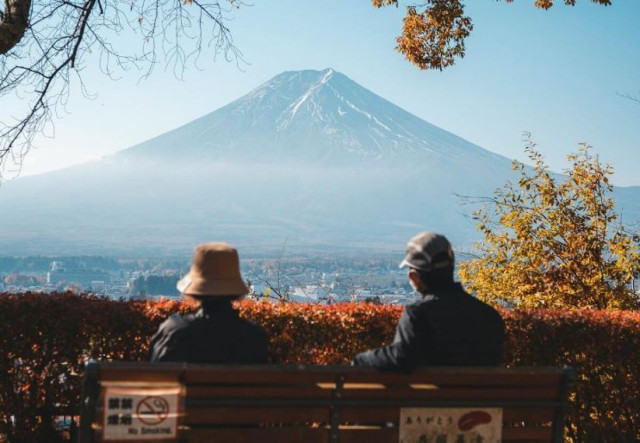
<point>45,340</point>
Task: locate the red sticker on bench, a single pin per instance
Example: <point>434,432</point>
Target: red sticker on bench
<point>472,419</point>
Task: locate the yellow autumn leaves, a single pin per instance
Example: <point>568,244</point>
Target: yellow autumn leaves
<point>434,31</point>
<point>555,242</point>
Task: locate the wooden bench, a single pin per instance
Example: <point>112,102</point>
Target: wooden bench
<point>306,404</point>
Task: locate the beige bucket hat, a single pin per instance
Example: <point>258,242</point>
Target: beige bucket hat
<point>215,271</point>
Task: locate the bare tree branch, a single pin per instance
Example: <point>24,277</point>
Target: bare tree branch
<point>635,98</point>
<point>43,43</point>
<point>41,64</point>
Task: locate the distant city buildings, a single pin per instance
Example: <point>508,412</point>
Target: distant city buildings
<point>86,277</point>
<point>306,280</point>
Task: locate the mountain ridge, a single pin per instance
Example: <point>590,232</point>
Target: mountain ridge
<point>303,158</point>
<point>285,109</point>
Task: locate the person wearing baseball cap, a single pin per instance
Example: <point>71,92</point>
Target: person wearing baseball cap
<point>447,326</point>
<point>216,333</point>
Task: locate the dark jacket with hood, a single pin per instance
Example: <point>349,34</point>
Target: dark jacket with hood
<point>446,328</point>
<point>215,334</point>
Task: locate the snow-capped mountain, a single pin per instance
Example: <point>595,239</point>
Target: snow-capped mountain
<point>310,157</point>
<point>320,115</point>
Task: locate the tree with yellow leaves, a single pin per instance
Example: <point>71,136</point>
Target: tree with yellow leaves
<point>554,242</point>
<point>434,31</point>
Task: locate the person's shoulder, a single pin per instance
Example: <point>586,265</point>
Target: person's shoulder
<point>487,308</point>
<point>249,328</point>
<point>461,292</point>
<point>423,303</point>
<point>253,327</point>
<point>415,309</point>
<point>176,322</point>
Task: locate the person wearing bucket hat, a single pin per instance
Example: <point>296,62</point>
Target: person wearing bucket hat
<point>214,334</point>
<point>447,326</point>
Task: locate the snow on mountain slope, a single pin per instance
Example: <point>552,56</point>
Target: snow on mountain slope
<point>309,115</point>
<point>309,157</point>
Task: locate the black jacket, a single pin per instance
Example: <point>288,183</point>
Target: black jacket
<point>446,328</point>
<point>210,336</point>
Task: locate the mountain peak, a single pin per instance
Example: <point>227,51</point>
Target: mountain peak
<point>298,80</point>
<point>309,156</point>
<point>310,114</point>
<point>289,114</point>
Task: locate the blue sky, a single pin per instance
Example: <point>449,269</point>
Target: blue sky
<point>554,73</point>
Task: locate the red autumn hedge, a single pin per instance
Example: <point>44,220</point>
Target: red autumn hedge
<point>45,339</point>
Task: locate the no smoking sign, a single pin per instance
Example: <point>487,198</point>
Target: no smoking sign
<point>140,414</point>
<point>153,410</point>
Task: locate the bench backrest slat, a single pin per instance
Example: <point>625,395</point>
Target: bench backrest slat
<point>296,403</point>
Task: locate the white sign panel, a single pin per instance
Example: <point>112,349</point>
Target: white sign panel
<point>140,414</point>
<point>450,425</point>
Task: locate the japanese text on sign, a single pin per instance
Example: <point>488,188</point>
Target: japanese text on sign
<point>450,425</point>
<point>140,414</point>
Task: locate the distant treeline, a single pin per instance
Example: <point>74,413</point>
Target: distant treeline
<point>104,263</point>
<point>294,266</point>
<point>155,285</point>
<point>43,264</point>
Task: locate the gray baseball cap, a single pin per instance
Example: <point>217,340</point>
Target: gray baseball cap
<point>424,247</point>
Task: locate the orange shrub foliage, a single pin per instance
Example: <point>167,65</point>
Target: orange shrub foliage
<point>604,348</point>
<point>45,340</point>
<point>44,343</point>
<point>305,333</point>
